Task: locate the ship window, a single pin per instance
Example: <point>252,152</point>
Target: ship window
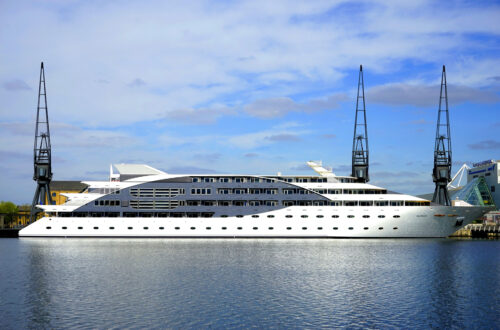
<point>239,216</point>
<point>224,228</point>
<point>335,216</point>
<point>161,228</point>
<point>320,228</point>
<point>96,227</point>
<point>381,216</point>
<point>350,216</point>
<point>130,228</point>
<point>209,228</point>
<point>380,228</point>
<point>304,216</point>
<point>96,203</point>
<point>396,203</point>
<point>365,203</point>
<point>395,228</point>
<point>351,228</point>
<point>350,203</point>
<point>304,228</point>
<point>366,216</point>
<point>255,228</point>
<point>381,203</point>
<point>396,216</point>
<point>49,227</point>
<point>224,216</point>
<point>193,228</point>
<point>177,228</point>
<point>288,228</point>
<point>64,227</point>
<point>270,216</point>
<point>111,227</point>
<point>289,216</point>
<point>271,228</point>
<point>255,216</point>
<point>240,228</point>
<point>80,227</point>
<point>319,216</point>
<point>335,228</point>
<point>146,228</point>
<point>366,228</point>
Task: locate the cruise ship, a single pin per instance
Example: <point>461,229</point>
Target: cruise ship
<point>141,201</point>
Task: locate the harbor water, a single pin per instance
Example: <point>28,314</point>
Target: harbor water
<point>240,283</point>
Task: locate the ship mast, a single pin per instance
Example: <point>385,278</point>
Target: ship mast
<point>360,140</point>
<point>441,174</point>
<point>42,162</point>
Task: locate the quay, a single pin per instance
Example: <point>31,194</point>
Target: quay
<point>483,230</point>
<point>9,232</point>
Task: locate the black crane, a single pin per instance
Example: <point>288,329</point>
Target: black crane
<point>441,174</point>
<point>360,140</point>
<point>42,162</point>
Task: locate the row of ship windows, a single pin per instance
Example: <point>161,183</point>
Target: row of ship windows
<point>171,204</point>
<point>195,215</point>
<point>223,228</point>
<point>257,180</point>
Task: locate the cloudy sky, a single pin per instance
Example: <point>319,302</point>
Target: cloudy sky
<point>245,86</point>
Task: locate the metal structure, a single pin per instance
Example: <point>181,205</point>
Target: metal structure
<point>458,178</point>
<point>360,140</point>
<point>441,173</point>
<point>42,163</point>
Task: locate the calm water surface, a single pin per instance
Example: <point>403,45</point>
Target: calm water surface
<point>159,283</point>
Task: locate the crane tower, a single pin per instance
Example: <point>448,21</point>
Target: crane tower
<point>360,140</point>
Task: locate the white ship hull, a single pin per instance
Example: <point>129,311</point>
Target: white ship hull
<point>398,222</point>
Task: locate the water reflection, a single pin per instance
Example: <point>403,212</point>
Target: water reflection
<point>122,283</point>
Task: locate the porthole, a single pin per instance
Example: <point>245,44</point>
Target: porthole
<point>351,228</point>
<point>96,227</point>
<point>270,216</point>
<point>366,228</point>
<point>240,228</point>
<point>193,228</point>
<point>209,228</point>
<point>335,228</point>
<point>239,216</point>
<point>146,228</point>
<point>224,216</point>
<point>288,228</point>
<point>396,216</point>
<point>161,228</point>
<point>177,228</point>
<point>130,228</point>
<point>49,227</point>
<point>271,228</point>
<point>224,228</point>
<point>255,228</point>
<point>395,228</point>
<point>255,216</point>
<point>304,216</point>
<point>381,216</point>
<point>366,216</point>
<point>320,228</point>
<point>350,216</point>
<point>111,228</point>
<point>289,216</point>
<point>64,227</point>
<point>304,228</point>
<point>380,228</point>
<point>80,227</point>
<point>319,216</point>
<point>335,216</point>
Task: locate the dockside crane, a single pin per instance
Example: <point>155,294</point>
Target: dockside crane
<point>42,160</point>
<point>360,140</point>
<point>441,174</point>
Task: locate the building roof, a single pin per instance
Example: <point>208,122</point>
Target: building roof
<point>67,185</point>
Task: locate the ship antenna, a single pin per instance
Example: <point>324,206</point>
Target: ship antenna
<point>441,174</point>
<point>360,140</point>
<point>42,160</point>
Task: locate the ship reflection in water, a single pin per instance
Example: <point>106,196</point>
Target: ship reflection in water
<point>182,283</point>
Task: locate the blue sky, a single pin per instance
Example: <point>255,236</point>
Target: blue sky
<point>245,86</point>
